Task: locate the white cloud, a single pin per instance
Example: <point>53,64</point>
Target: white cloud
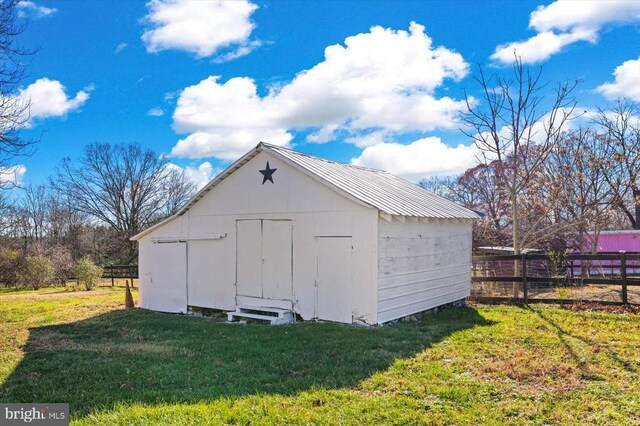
<point>566,15</point>
<point>200,175</point>
<point>368,139</point>
<point>241,51</point>
<point>155,112</point>
<point>420,159</point>
<point>120,47</point>
<point>48,99</point>
<point>626,82</point>
<point>324,134</point>
<point>200,27</point>
<point>541,46</point>
<point>380,80</point>
<point>31,9</point>
<point>225,120</point>
<point>171,96</point>
<point>11,176</point>
<point>565,22</point>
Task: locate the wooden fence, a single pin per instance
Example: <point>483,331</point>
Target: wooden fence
<point>610,278</point>
<point>120,271</point>
<point>114,272</point>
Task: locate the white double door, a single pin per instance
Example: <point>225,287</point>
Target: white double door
<point>264,259</point>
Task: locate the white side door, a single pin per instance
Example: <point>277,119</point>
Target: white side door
<point>168,283</point>
<point>277,280</point>
<point>334,277</point>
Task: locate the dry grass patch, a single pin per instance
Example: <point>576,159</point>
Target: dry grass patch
<point>534,370</point>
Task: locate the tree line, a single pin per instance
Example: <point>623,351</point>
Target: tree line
<point>548,176</point>
<point>91,207</point>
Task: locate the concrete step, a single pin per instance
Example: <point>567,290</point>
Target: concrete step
<point>263,310</point>
<point>274,316</point>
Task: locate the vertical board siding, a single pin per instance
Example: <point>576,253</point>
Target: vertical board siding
<point>206,279</point>
<point>421,266</point>
<point>314,211</point>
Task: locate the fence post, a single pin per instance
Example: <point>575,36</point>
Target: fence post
<point>525,290</point>
<point>572,268</point>
<point>623,272</point>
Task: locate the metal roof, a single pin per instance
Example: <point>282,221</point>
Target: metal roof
<point>375,188</point>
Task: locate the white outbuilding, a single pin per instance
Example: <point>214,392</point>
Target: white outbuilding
<point>282,231</point>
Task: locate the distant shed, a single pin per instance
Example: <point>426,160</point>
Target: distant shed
<point>322,239</point>
<point>614,241</point>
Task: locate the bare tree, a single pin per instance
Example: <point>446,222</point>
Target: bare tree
<point>68,226</point>
<point>477,190</point>
<point>33,209</point>
<point>515,127</point>
<point>482,181</point>
<point>122,186</point>
<point>14,111</point>
<point>620,128</point>
<point>444,186</point>
<point>577,188</point>
<point>5,213</point>
<point>178,189</point>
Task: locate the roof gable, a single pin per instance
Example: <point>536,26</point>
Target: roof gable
<point>371,187</point>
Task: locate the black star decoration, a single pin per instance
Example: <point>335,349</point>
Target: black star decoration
<point>267,174</point>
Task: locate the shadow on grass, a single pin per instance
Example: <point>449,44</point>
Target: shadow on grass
<point>148,357</point>
<point>561,333</point>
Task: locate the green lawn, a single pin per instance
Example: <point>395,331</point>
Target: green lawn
<point>481,365</point>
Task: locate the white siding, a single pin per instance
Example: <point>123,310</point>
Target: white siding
<point>421,266</point>
<point>147,259</point>
<point>314,210</point>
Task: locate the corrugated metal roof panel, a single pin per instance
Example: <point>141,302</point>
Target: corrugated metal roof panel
<point>382,190</point>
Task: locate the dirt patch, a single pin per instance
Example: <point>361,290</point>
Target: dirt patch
<point>534,371</point>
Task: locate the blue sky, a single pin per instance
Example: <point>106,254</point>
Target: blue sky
<point>205,81</point>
